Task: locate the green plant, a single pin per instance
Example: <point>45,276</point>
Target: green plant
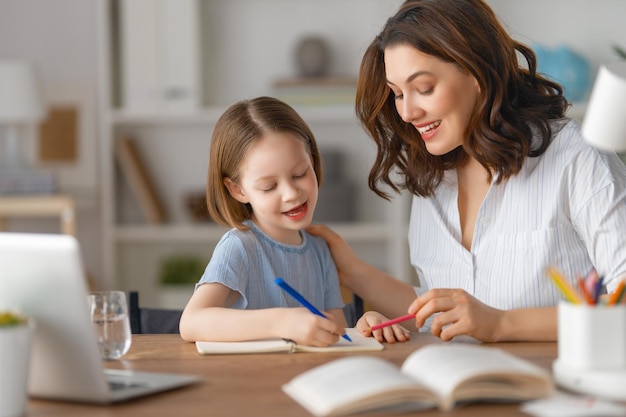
<point>11,319</point>
<point>181,270</point>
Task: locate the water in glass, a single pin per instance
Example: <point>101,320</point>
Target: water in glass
<point>109,315</point>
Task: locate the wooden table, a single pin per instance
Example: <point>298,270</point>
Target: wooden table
<point>250,385</point>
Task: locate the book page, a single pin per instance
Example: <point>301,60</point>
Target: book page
<point>461,372</point>
<point>356,383</point>
<point>251,346</point>
<point>359,343</point>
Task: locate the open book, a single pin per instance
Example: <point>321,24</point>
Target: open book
<point>359,343</point>
<point>439,375</point>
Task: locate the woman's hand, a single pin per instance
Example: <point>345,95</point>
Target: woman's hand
<point>346,260</point>
<point>459,314</point>
<point>389,334</point>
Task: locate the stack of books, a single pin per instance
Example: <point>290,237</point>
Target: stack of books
<point>316,90</point>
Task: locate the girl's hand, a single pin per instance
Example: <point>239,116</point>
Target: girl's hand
<point>459,314</point>
<point>305,328</point>
<point>390,334</point>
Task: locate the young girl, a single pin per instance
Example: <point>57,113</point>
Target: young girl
<point>264,173</point>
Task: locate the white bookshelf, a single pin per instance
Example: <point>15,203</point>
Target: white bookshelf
<point>236,63</point>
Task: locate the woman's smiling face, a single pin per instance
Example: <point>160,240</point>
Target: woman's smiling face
<point>434,96</point>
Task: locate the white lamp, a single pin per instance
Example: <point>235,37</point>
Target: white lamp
<point>604,125</point>
<point>20,106</point>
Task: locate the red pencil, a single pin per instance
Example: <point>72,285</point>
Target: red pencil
<point>394,321</point>
<point>581,286</point>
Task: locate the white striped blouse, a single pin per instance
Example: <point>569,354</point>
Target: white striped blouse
<point>565,209</point>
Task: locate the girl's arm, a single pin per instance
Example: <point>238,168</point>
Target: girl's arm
<point>206,318</point>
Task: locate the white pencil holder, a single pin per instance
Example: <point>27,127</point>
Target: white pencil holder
<point>592,337</point>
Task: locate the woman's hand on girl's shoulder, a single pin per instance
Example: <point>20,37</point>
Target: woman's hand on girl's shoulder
<point>346,260</point>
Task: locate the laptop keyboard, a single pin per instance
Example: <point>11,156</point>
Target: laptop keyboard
<point>117,386</point>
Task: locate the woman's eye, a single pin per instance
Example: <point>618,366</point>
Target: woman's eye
<point>426,91</point>
<point>269,188</point>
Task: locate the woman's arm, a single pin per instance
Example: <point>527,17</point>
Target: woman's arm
<point>380,291</point>
<point>459,313</point>
<point>528,325</point>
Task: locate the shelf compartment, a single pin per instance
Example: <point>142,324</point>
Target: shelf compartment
<point>352,232</point>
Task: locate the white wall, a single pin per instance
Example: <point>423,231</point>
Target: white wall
<point>59,36</point>
<point>589,27</point>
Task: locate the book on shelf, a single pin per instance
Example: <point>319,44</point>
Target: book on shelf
<point>316,90</point>
<point>359,343</point>
<point>136,174</point>
<point>438,375</point>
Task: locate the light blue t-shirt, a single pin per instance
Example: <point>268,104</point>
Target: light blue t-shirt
<point>248,261</point>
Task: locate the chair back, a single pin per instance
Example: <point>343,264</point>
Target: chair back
<point>151,320</point>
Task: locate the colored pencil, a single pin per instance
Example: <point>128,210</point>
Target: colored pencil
<point>566,289</point>
<point>300,298</point>
<point>598,290</point>
<point>583,289</point>
<point>393,321</point>
<point>617,294</point>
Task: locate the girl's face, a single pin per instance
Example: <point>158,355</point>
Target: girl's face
<point>433,95</point>
<point>277,179</point>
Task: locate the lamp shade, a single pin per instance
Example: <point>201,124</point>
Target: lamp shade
<point>604,125</point>
<point>20,101</point>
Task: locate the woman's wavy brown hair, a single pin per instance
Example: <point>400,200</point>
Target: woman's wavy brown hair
<point>242,125</point>
<point>514,101</point>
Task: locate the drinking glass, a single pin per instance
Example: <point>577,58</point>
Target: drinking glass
<point>109,314</point>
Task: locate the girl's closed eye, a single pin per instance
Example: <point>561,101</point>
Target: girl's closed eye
<point>301,175</point>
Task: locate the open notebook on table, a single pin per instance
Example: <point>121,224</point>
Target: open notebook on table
<point>359,343</point>
<point>43,278</point>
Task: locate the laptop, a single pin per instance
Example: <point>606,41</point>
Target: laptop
<point>42,277</point>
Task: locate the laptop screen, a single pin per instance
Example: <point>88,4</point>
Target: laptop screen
<point>43,278</point>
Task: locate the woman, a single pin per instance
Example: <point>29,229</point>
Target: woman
<point>503,185</point>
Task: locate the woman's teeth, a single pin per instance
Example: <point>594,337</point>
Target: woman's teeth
<point>431,126</point>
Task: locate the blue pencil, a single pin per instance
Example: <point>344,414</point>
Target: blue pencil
<point>299,298</point>
<point>596,295</point>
